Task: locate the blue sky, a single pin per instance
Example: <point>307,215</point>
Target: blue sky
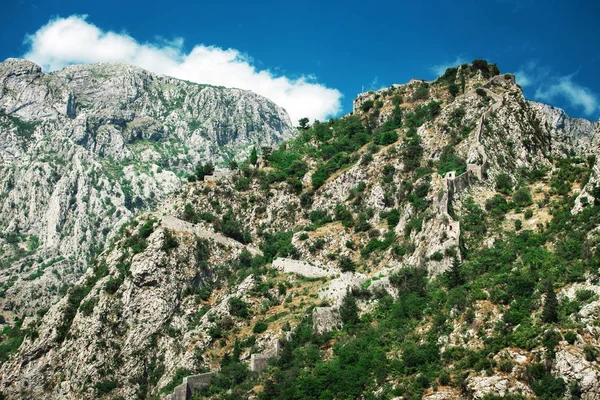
<point>314,57</point>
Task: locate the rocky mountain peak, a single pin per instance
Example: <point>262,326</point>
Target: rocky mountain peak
<point>441,242</point>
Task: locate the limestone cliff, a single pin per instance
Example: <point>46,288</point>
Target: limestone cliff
<point>471,187</point>
<point>84,148</point>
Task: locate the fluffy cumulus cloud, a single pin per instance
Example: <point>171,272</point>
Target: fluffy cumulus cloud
<point>74,40</point>
<point>551,88</point>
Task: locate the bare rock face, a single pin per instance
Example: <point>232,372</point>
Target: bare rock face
<point>84,148</point>
<point>575,369</point>
<point>326,319</point>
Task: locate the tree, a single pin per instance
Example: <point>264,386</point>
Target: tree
<point>503,183</point>
<point>303,123</point>
<point>454,89</point>
<point>346,264</point>
<point>397,116</point>
<point>253,157</point>
<point>549,312</point>
<point>203,170</point>
<point>266,152</point>
<point>349,310</point>
<point>455,274</point>
<point>236,351</point>
<point>233,165</point>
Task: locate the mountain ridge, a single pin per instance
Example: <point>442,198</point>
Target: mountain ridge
<point>86,147</point>
<point>405,250</point>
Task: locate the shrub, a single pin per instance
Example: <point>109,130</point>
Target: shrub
<point>189,214</point>
<point>528,214</point>
<point>232,228</point>
<point>503,183</point>
<point>522,197</point>
<point>481,92</point>
<point>106,386</point>
<point>367,105</point>
<point>319,177</point>
<point>387,138</point>
<point>570,337</point>
<point>454,89</point>
<point>393,218</point>
<point>260,327</point>
<point>238,308</point>
<point>421,92</point>
<point>518,224</point>
<point>590,352</point>
<point>584,295</point>
<point>169,241</point>
<point>344,216</point>
<point>346,264</point>
<point>113,285</point>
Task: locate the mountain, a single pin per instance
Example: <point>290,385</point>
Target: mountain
<point>85,148</point>
<point>441,242</point>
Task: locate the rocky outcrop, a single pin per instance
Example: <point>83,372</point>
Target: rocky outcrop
<point>85,148</point>
<point>291,266</point>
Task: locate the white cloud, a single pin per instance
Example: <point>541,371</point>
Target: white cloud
<point>523,78</point>
<point>575,94</point>
<point>73,40</point>
<point>549,88</point>
<point>439,69</point>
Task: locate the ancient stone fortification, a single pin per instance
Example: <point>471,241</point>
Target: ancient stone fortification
<point>288,265</point>
<point>190,383</point>
<point>258,362</point>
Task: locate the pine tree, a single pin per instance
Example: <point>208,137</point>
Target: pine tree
<point>236,351</point>
<point>549,312</point>
<point>455,275</point>
<point>253,157</point>
<point>349,310</point>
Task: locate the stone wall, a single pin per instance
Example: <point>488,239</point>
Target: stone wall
<point>288,265</point>
<point>259,362</point>
<point>189,385</point>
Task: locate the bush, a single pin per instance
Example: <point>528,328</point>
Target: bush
<point>393,218</point>
<point>584,295</point>
<point>232,228</point>
<point>346,264</point>
<point>367,105</point>
<point>344,216</point>
<point>518,224</point>
<point>522,197</point>
<point>528,214</point>
<point>454,89</point>
<point>421,92</point>
<point>481,92</point>
<point>238,308</point>
<point>319,177</point>
<point>387,138</point>
<point>503,183</point>
<point>260,327</point>
<point>113,285</point>
<point>106,386</point>
<point>570,337</point>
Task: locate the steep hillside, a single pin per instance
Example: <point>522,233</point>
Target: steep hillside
<point>84,148</point>
<point>439,243</point>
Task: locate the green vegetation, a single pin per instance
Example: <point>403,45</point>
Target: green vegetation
<point>518,276</point>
